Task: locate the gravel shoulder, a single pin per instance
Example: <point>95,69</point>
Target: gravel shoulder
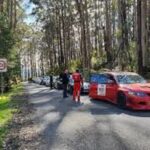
<point>22,133</point>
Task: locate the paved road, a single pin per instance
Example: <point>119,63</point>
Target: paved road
<point>94,125</point>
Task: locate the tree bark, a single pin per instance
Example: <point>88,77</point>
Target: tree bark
<point>139,35</point>
<point>107,35</point>
<point>144,33</point>
<point>1,5</point>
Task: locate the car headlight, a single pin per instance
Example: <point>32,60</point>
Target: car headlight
<point>139,94</point>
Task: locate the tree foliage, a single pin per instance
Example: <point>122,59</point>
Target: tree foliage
<point>95,32</point>
<point>12,33</point>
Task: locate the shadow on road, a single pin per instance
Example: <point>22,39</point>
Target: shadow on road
<point>106,108</point>
<point>51,109</point>
<point>48,103</point>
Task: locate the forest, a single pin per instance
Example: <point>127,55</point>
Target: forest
<point>12,32</point>
<point>94,34</point>
<point>85,34</point>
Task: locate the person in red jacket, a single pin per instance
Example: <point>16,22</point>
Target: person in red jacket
<point>77,85</point>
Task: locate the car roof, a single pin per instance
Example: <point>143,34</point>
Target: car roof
<point>115,73</point>
<point>121,73</point>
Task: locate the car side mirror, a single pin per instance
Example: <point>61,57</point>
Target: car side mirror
<point>110,82</point>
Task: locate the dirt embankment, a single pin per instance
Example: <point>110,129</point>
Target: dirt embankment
<point>22,132</point>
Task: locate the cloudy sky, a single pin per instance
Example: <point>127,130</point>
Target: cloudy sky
<point>28,9</point>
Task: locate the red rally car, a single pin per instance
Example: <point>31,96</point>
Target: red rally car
<point>126,89</point>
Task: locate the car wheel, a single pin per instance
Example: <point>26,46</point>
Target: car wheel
<point>121,100</point>
<point>57,86</point>
<point>92,99</point>
<point>82,90</point>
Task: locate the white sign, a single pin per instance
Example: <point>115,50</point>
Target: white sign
<point>101,89</point>
<point>3,65</point>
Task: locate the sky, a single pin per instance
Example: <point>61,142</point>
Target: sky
<point>28,10</point>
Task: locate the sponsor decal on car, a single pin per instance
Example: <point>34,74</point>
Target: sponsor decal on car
<point>101,90</point>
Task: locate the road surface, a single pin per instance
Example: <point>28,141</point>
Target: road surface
<point>94,125</point>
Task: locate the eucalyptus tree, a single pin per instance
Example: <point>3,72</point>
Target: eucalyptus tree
<point>96,33</point>
<point>11,20</point>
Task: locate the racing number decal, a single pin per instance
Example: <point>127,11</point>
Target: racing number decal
<point>101,90</point>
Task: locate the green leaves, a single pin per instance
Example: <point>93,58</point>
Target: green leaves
<point>6,37</point>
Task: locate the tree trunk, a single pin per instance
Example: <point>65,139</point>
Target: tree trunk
<point>15,14</point>
<point>139,36</point>
<point>11,13</point>
<point>1,5</point>
<point>107,35</point>
<point>88,41</point>
<point>83,33</point>
<point>144,33</point>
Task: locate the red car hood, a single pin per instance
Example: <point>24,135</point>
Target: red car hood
<point>137,87</point>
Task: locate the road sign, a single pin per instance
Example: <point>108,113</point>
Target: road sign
<point>3,65</point>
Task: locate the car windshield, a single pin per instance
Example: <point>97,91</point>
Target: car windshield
<point>130,79</point>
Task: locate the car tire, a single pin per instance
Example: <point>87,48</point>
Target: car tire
<point>92,99</point>
<point>121,100</point>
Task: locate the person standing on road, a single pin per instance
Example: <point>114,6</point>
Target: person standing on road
<point>51,81</point>
<point>78,81</point>
<point>65,81</point>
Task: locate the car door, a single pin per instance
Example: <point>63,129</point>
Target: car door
<point>102,87</point>
<point>111,88</point>
<point>93,85</point>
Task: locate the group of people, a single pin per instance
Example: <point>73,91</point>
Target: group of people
<point>78,81</point>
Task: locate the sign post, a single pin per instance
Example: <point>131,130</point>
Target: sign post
<point>3,68</point>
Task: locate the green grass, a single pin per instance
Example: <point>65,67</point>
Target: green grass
<point>7,109</point>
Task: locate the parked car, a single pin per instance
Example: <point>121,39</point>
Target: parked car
<point>46,80</point>
<point>125,89</point>
<point>55,79</point>
<point>58,83</point>
<point>38,80</point>
<point>84,88</point>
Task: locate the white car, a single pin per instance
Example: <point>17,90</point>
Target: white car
<point>37,80</point>
<point>84,88</point>
<point>47,80</point>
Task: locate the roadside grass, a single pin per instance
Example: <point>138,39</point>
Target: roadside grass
<point>8,106</point>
